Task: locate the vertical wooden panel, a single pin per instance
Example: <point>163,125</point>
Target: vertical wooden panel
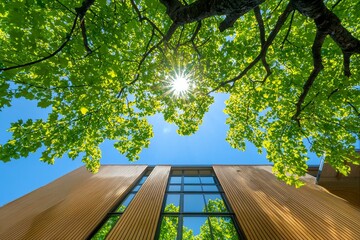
<point>140,219</point>
<point>70,207</point>
<point>269,209</point>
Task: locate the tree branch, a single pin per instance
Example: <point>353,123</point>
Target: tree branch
<point>316,51</point>
<point>327,22</point>
<point>288,31</point>
<point>280,22</point>
<point>262,40</point>
<point>81,11</point>
<point>354,108</point>
<point>201,9</point>
<point>68,38</point>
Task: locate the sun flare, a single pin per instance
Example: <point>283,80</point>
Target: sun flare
<point>180,85</point>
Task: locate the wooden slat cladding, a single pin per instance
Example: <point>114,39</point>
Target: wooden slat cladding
<point>70,207</point>
<point>269,209</point>
<point>140,219</point>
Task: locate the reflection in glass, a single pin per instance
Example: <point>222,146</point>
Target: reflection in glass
<point>194,203</point>
<point>106,227</point>
<point>135,189</point>
<point>215,203</point>
<point>168,228</point>
<point>194,188</point>
<point>125,203</point>
<point>191,180</point>
<point>207,180</point>
<point>172,203</point>
<point>175,180</point>
<point>210,188</point>
<point>174,188</point>
<point>143,179</point>
<point>196,228</point>
<point>223,228</point>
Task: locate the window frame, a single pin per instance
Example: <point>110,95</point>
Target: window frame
<point>181,214</point>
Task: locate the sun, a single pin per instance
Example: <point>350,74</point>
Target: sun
<point>180,85</point>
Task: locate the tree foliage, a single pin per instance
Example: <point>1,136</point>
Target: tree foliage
<point>221,227</point>
<point>291,69</point>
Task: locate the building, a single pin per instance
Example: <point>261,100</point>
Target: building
<point>164,202</point>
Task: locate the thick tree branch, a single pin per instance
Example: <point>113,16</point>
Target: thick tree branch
<point>327,22</point>
<point>262,40</point>
<point>182,14</point>
<point>316,51</point>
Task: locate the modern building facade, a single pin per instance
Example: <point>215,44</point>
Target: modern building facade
<point>164,202</point>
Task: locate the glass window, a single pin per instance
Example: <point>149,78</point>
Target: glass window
<point>172,203</point>
<point>143,179</point>
<point>194,203</point>
<point>196,228</point>
<point>193,188</point>
<point>169,228</point>
<point>106,227</point>
<point>175,180</point>
<point>174,188</point>
<point>210,188</point>
<point>197,210</point>
<point>125,203</point>
<point>190,180</point>
<point>215,203</point>
<point>136,188</point>
<point>207,180</point>
<point>223,228</point>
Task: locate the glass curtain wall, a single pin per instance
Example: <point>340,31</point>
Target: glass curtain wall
<point>195,208</point>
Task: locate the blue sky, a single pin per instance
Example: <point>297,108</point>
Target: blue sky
<point>206,147</point>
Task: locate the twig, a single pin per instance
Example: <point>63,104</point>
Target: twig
<point>68,37</point>
<point>280,22</point>
<point>288,31</point>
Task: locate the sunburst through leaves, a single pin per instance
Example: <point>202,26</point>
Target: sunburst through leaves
<point>180,84</point>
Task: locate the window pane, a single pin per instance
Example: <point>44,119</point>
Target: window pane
<point>172,203</point>
<point>125,203</point>
<point>223,228</point>
<point>168,228</point>
<point>174,188</point>
<point>210,188</point>
<point>196,228</point>
<point>175,180</point>
<point>196,188</point>
<point>207,180</point>
<point>143,179</point>
<point>194,203</point>
<point>135,189</point>
<point>215,203</point>
<point>105,229</point>
<point>191,180</point>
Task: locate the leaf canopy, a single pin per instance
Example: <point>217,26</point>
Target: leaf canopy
<point>102,67</point>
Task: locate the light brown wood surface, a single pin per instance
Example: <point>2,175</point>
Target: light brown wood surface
<point>141,217</point>
<point>269,209</point>
<point>68,208</point>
